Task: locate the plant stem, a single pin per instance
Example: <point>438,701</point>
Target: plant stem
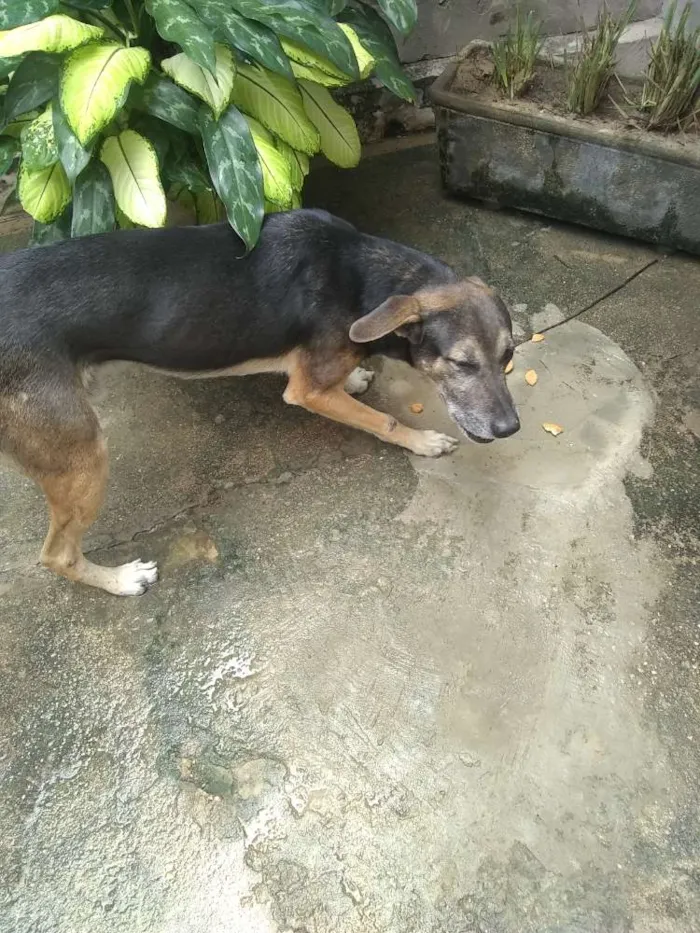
<point>100,19</point>
<point>132,15</point>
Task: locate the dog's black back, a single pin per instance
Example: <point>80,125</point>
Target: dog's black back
<point>188,299</point>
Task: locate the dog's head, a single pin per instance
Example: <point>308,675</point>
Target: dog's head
<point>461,336</point>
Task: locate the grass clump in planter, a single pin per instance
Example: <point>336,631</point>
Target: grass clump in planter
<point>515,55</point>
<point>670,94</point>
<point>595,64</point>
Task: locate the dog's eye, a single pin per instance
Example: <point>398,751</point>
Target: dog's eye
<point>464,365</point>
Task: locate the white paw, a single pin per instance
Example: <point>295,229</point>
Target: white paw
<point>433,444</point>
<point>359,381</point>
<point>134,579</point>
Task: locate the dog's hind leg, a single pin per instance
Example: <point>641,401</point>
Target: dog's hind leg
<point>74,498</point>
<point>59,444</point>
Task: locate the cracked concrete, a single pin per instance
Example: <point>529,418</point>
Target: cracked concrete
<point>374,692</point>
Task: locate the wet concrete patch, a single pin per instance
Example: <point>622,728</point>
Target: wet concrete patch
<point>385,693</point>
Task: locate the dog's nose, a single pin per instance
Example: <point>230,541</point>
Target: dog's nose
<point>506,425</point>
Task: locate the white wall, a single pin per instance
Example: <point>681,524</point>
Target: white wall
<point>446,26</point>
<point>694,16</point>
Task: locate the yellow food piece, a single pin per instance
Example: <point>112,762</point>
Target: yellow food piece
<point>531,377</point>
<point>550,428</point>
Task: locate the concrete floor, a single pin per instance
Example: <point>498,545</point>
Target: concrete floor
<point>375,693</point>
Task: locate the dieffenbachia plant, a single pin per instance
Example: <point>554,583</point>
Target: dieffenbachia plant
<point>112,106</point>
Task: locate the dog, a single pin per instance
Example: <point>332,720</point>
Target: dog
<point>312,300</point>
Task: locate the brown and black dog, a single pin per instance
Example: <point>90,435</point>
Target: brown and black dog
<point>311,301</point>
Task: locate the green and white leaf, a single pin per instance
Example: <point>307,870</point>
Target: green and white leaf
<point>55,232</point>
<point>181,195</point>
<point>308,65</point>
<point>8,152</point>
<point>306,24</point>
<point>331,7</point>
<point>133,167</point>
<point>167,101</point>
<point>186,171</point>
<point>340,141</point>
<point>303,161</point>
<point>15,128</point>
<point>20,12</point>
<point>298,164</point>
<point>8,65</point>
<point>57,33</point>
<point>235,170</point>
<point>39,142</point>
<point>209,208</point>
<point>73,156</point>
<point>155,131</point>
<point>179,145</point>
<point>326,39</point>
<point>34,82</point>
<point>95,81</point>
<point>124,222</point>
<point>44,193</point>
<point>365,61</point>
<point>176,21</point>
<point>376,37</point>
<point>276,168</point>
<point>306,73</point>
<point>253,39</point>
<point>214,89</point>
<point>93,202</point>
<point>91,5</point>
<point>305,58</point>
<point>276,103</point>
<point>402,14</point>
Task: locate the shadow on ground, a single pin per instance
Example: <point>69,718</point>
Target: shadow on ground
<point>373,692</point>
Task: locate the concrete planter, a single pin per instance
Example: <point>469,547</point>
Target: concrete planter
<point>641,185</point>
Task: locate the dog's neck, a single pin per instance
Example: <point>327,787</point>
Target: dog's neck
<point>393,346</point>
<point>390,268</point>
<point>405,272</point>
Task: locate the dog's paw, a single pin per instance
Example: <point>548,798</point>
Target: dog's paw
<point>359,381</point>
<point>134,579</point>
<point>433,444</point>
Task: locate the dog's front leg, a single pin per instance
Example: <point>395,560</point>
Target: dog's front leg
<point>336,404</point>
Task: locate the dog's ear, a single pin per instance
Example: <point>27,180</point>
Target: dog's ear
<point>388,317</point>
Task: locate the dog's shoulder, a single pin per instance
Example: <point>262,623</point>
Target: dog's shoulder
<point>306,222</point>
<point>324,217</point>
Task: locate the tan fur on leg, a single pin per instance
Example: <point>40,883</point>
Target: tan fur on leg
<point>54,436</point>
<point>74,499</point>
<point>335,403</point>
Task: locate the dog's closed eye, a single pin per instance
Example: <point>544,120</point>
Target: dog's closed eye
<point>466,365</point>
